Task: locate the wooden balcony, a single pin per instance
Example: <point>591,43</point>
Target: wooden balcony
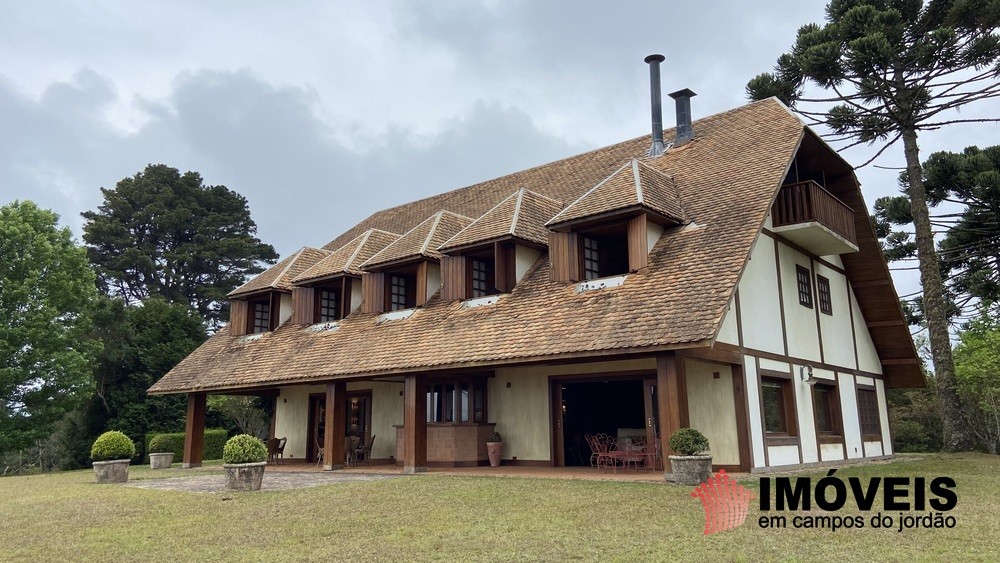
<point>814,219</point>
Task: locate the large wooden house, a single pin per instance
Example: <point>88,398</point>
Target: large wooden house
<point>729,280</point>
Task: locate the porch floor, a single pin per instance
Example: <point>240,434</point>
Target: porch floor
<point>585,473</point>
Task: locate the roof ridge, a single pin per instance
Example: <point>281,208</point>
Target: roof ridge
<point>541,195</point>
<point>477,219</point>
<point>291,260</point>
<point>350,260</point>
<point>588,192</point>
<point>430,233</point>
<point>638,181</point>
<point>517,209</point>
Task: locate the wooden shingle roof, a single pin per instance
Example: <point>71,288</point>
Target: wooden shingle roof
<point>636,185</point>
<point>521,215</point>
<point>279,277</point>
<point>348,258</point>
<point>421,241</point>
<point>726,178</point>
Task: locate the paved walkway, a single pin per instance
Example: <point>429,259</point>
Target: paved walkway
<point>273,481</point>
<point>584,473</point>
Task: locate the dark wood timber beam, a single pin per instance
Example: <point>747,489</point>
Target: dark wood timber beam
<point>194,431</point>
<point>671,397</point>
<point>334,431</point>
<point>414,424</point>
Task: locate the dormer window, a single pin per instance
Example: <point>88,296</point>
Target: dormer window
<point>604,252</point>
<point>402,294</point>
<point>261,319</point>
<point>329,306</point>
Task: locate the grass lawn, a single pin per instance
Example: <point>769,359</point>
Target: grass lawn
<point>66,516</point>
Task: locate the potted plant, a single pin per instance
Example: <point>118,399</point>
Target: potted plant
<point>689,465</point>
<point>244,458</point>
<point>494,447</point>
<point>161,452</point>
<point>112,452</point>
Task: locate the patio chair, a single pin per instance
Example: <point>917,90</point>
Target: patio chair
<point>350,444</point>
<point>600,447</point>
<point>364,452</point>
<point>276,450</point>
<point>319,451</point>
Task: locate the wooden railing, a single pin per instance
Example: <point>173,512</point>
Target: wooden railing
<point>802,202</point>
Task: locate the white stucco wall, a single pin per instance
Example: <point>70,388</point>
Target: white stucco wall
<point>806,417</point>
<point>849,410</point>
<point>800,321</point>
<point>292,418</point>
<point>524,257</point>
<point>838,342</point>
<point>711,409</point>
<point>759,305</point>
<point>783,455</point>
<point>433,278</point>
<point>753,411</point>
<point>285,309</point>
<point>728,333</point>
<point>355,295</point>
<point>831,452</point>
<point>867,355</point>
<point>521,412</point>
<point>653,234</point>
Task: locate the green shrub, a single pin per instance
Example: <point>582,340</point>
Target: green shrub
<point>244,448</point>
<point>160,444</point>
<point>688,441</point>
<point>215,440</point>
<point>112,445</point>
<point>495,437</point>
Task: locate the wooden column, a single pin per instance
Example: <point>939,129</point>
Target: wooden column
<point>671,397</point>
<point>194,431</point>
<point>414,424</point>
<point>333,435</point>
<point>742,417</point>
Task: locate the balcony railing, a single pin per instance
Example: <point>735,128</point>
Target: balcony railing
<point>805,202</point>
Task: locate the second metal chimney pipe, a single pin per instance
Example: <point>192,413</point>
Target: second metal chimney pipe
<point>657,107</point>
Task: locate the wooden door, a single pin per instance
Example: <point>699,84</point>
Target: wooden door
<point>359,415</point>
<point>558,454</point>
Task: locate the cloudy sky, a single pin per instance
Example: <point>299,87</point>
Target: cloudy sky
<point>363,105</point>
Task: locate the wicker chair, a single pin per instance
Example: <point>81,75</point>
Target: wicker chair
<point>276,450</point>
<point>364,452</point>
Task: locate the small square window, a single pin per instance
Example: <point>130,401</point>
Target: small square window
<point>826,408</point>
<point>804,282</point>
<point>329,306</point>
<point>823,290</point>
<point>398,293</point>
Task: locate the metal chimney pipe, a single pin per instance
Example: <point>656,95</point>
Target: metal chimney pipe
<point>682,102</point>
<point>656,105</point>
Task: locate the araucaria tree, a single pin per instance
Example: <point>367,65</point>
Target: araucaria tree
<point>46,296</point>
<point>164,233</point>
<point>896,68</point>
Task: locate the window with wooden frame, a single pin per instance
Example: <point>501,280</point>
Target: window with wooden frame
<point>402,291</point>
<point>826,410</point>
<point>823,293</point>
<point>457,401</point>
<point>604,252</point>
<point>328,305</point>
<point>481,275</point>
<point>871,425</point>
<point>779,408</point>
<point>803,280</point>
<point>260,320</point>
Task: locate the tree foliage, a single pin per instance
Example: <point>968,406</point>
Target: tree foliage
<point>246,413</point>
<point>164,233</point>
<point>970,248</point>
<point>46,295</point>
<point>977,368</point>
<point>897,67</point>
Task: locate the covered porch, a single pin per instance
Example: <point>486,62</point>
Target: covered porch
<point>440,422</point>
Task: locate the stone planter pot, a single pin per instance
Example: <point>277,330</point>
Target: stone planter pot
<point>495,451</point>
<point>244,476</point>
<point>691,469</point>
<point>114,471</point>
<point>161,461</point>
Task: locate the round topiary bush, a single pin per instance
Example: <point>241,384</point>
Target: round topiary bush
<point>495,437</point>
<point>161,444</point>
<point>112,445</point>
<point>244,448</point>
<point>688,441</point>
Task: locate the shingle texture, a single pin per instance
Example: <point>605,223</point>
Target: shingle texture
<point>421,241</point>
<point>635,185</point>
<point>726,178</point>
<point>281,274</point>
<point>521,215</point>
<point>348,258</point>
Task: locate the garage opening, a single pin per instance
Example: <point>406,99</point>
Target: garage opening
<point>614,407</point>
